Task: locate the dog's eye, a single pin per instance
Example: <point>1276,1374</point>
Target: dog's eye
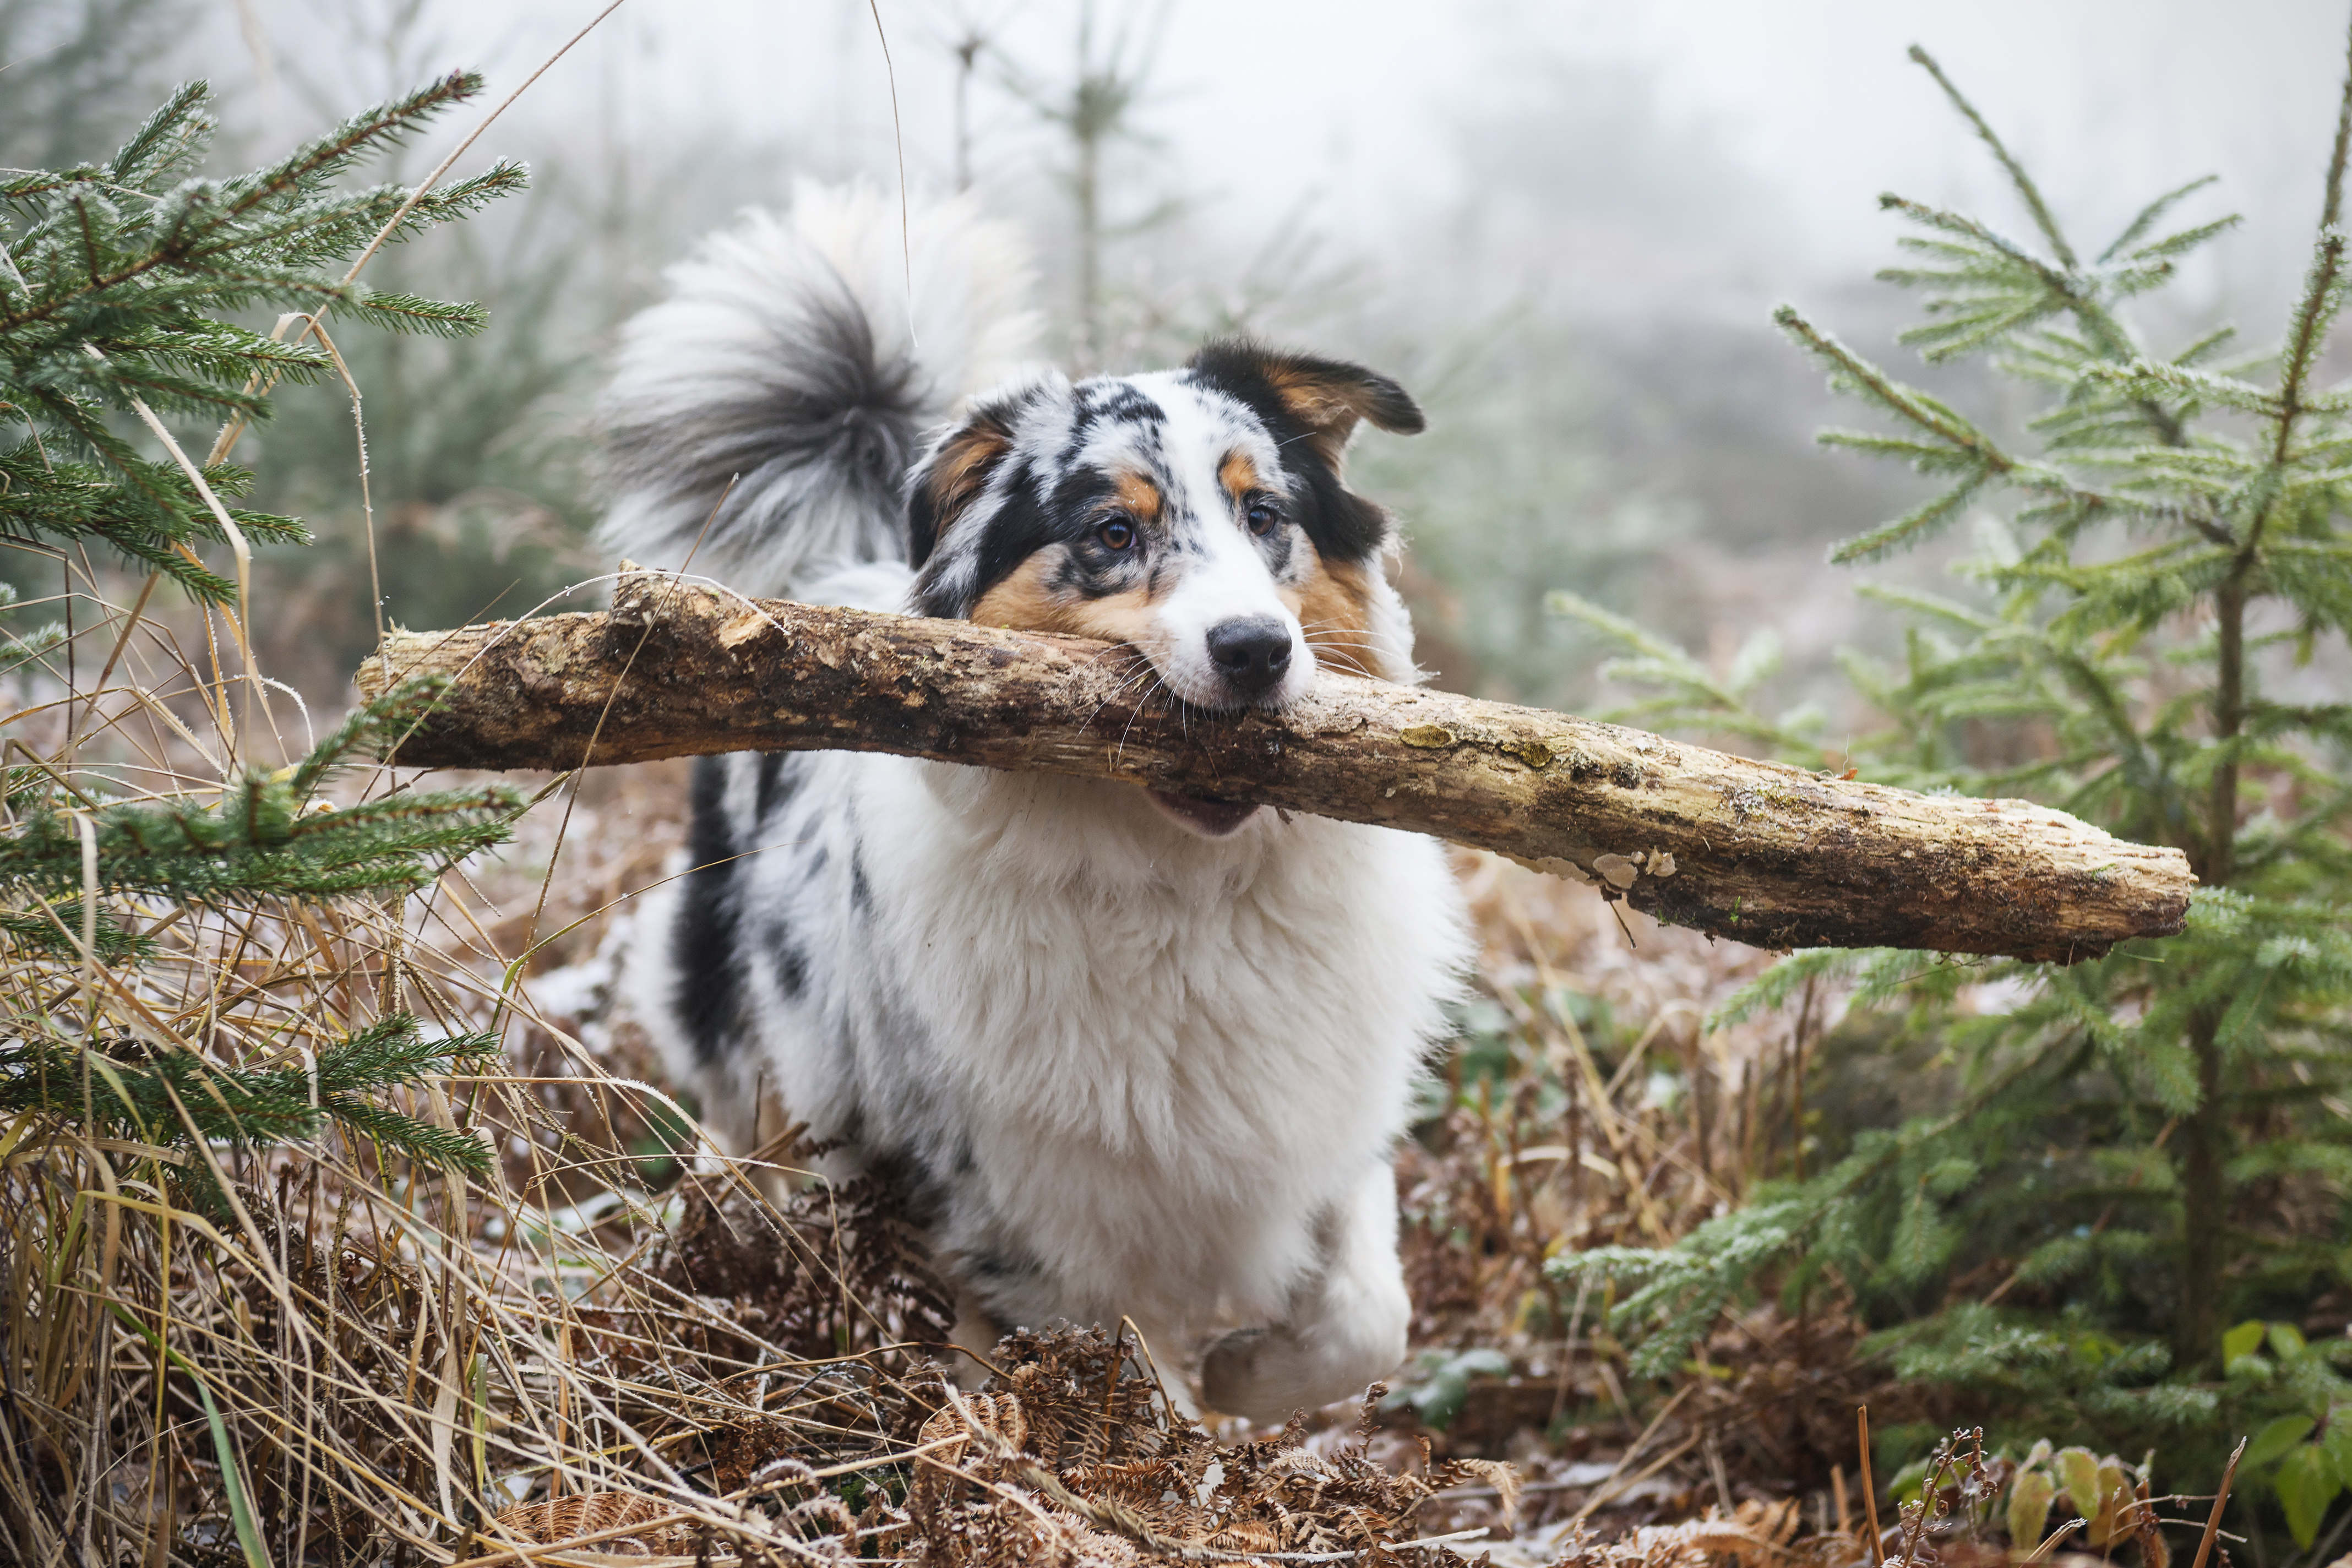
<point>1261,518</point>
<point>1116,534</point>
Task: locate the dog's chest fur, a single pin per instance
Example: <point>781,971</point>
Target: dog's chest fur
<point>1120,1060</point>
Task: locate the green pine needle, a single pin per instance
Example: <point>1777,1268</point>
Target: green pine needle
<point>2079,664</point>
<point>157,1096</point>
<point>138,260</point>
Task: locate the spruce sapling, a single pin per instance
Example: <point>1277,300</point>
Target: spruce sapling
<point>2148,1146</point>
<point>118,282</point>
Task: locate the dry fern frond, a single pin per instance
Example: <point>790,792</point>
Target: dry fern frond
<point>567,1519</point>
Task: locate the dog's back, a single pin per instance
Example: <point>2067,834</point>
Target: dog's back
<point>1141,1057</point>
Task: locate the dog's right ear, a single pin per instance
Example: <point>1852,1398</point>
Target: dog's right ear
<point>951,478</point>
<point>1323,397</point>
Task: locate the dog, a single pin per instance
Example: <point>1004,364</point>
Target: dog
<point>1137,1055</point>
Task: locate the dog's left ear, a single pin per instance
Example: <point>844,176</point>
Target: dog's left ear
<point>1325,397</point>
<point>951,475</point>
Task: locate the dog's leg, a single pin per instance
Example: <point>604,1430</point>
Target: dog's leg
<point>976,1330</point>
<point>742,1125</point>
<point>1347,1322</point>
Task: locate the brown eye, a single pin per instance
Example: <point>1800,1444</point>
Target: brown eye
<point>1261,518</point>
<point>1116,534</point>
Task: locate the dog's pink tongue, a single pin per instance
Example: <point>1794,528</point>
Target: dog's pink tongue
<point>1214,818</point>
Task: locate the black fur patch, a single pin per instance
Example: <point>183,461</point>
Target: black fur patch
<point>973,450</point>
<point>1100,403</point>
<point>1022,525</point>
<point>703,945</point>
<point>1037,509</point>
<point>791,963</point>
<point>996,1267</point>
<point>780,780</point>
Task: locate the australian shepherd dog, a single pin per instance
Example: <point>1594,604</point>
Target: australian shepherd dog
<point>1136,1055</point>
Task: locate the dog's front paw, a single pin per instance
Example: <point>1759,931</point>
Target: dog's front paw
<point>1231,1379</point>
<point>1267,1374</point>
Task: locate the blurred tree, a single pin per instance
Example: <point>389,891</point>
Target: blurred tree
<point>480,459</point>
<point>1095,108</point>
<point>1600,417</point>
<point>78,74</point>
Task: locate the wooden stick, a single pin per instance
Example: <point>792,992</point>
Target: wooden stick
<point>1767,854</point>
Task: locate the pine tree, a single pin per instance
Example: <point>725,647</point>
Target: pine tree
<point>1096,109</point>
<point>120,283</point>
<point>2155,1143</point>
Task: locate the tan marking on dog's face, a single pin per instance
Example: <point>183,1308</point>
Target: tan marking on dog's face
<point>1327,411</point>
<point>1027,601</point>
<point>1139,497</point>
<point>960,470</point>
<point>1238,475</point>
<point>1334,607</point>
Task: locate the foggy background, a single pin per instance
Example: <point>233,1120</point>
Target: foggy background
<point>1564,227</point>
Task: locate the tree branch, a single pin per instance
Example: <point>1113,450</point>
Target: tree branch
<point>1762,853</point>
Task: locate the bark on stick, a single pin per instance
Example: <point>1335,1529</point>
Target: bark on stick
<point>1765,854</point>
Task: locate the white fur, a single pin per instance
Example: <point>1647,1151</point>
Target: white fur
<point>1175,1058</point>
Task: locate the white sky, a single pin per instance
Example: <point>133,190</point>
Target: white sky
<point>1271,102</point>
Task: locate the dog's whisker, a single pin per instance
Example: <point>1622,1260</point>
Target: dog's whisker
<point>1118,691</point>
<point>1124,649</point>
<point>1351,634</point>
<point>1158,685</point>
<point>1351,651</point>
<point>1376,646</point>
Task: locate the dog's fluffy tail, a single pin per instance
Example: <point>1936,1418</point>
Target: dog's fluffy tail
<point>791,361</point>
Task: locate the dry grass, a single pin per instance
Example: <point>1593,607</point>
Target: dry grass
<point>356,1361</point>
<point>1589,1106</point>
<point>609,1344</point>
<point>609,1349</point>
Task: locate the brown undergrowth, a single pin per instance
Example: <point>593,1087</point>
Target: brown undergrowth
<point>1589,1105</point>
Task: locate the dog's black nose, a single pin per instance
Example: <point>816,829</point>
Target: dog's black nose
<point>1251,652</point>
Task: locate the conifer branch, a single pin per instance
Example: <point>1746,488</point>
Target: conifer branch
<point>141,1092</point>
<point>2315,312</point>
<point>265,836</point>
<point>2137,679</point>
<point>2023,183</point>
<point>2150,214</point>
<point>2331,208</point>
<point>1678,1291</point>
<point>113,288</point>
